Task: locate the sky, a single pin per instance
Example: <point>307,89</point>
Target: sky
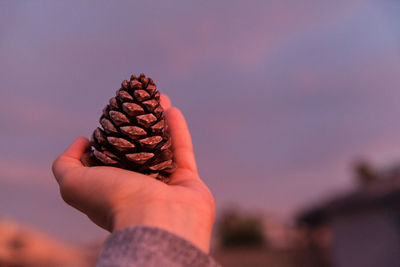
<point>281,97</point>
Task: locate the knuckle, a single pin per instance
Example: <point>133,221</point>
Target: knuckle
<point>66,189</point>
<point>65,196</point>
<point>55,165</point>
<point>211,204</point>
<point>205,202</point>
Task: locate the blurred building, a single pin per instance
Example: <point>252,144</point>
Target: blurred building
<point>26,247</point>
<point>365,223</point>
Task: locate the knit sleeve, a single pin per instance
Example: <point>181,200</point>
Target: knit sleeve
<point>151,247</point>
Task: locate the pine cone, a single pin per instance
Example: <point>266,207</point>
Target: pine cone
<point>134,135</point>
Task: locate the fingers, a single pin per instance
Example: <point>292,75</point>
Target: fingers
<point>77,148</point>
<point>165,102</point>
<point>70,158</point>
<point>181,140</point>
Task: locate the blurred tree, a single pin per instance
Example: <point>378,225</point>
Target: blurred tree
<point>365,172</point>
<point>235,230</point>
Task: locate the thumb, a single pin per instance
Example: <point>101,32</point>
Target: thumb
<point>181,140</point>
<point>70,158</point>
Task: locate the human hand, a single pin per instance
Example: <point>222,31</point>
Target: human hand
<point>115,198</point>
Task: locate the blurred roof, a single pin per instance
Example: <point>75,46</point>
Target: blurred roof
<point>383,191</point>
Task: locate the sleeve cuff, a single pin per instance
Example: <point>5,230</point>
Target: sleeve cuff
<point>151,246</point>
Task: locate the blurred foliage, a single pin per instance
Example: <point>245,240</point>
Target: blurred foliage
<point>235,230</point>
<point>365,172</point>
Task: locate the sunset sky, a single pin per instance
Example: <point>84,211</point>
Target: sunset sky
<point>280,96</point>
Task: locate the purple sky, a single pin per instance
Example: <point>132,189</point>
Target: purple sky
<point>280,98</point>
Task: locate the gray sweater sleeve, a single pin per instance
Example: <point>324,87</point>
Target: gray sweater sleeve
<point>151,247</point>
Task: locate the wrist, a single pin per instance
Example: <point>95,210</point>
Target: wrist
<point>191,226</point>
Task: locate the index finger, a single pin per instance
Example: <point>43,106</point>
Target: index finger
<point>165,102</point>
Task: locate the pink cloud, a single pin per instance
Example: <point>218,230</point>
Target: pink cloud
<point>24,115</point>
<point>244,42</point>
<point>25,172</point>
<point>240,36</point>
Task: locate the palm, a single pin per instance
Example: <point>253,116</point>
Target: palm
<point>114,198</point>
<point>109,188</point>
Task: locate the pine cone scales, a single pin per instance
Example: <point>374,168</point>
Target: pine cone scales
<point>134,134</point>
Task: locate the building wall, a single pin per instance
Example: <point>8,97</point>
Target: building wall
<point>368,238</point>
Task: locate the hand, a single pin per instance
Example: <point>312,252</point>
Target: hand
<point>115,198</point>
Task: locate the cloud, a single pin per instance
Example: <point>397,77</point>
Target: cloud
<point>21,171</point>
<point>23,116</point>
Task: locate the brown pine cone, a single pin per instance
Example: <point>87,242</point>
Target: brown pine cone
<point>134,135</point>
